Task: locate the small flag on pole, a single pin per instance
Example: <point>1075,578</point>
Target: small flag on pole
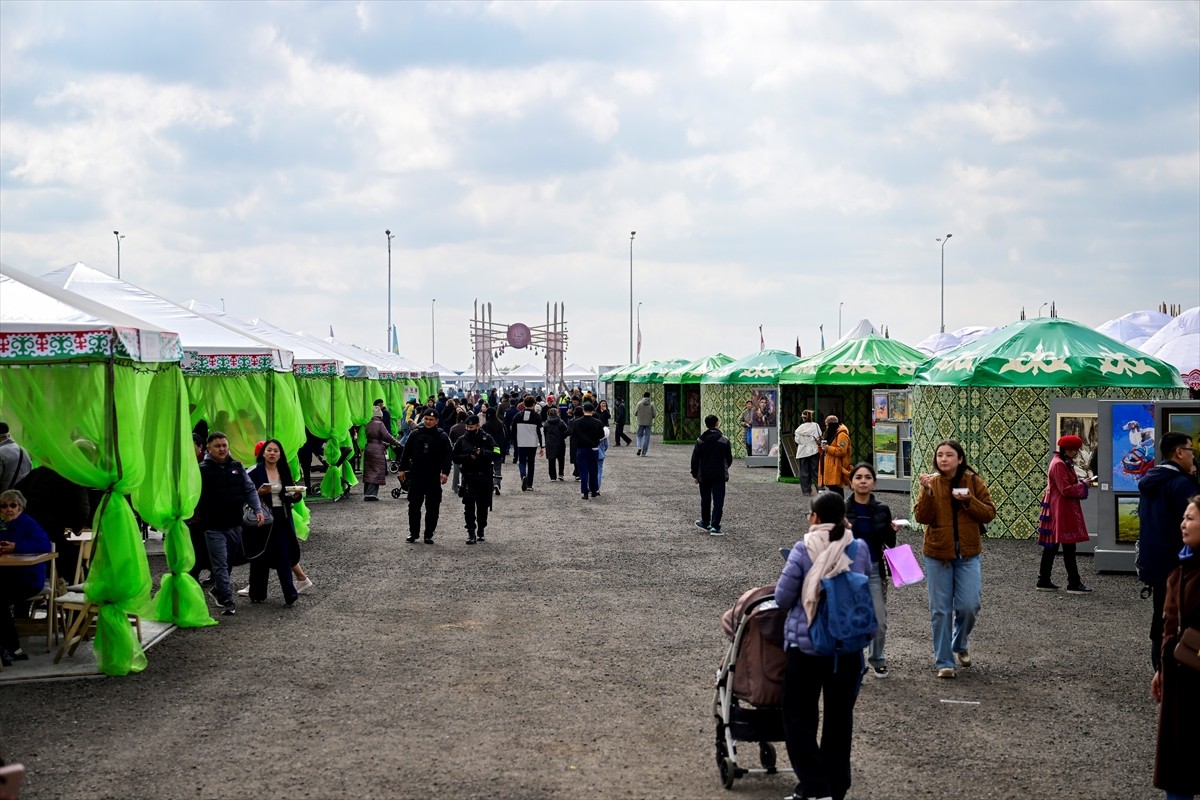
<point>331,336</point>
<point>639,343</point>
<point>822,337</point>
<point>798,355</point>
<point>395,342</point>
<point>761,342</point>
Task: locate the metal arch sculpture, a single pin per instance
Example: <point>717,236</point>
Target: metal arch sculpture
<point>490,339</point>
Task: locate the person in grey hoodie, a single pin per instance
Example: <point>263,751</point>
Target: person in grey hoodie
<point>711,458</point>
<point>644,412</point>
<point>14,461</point>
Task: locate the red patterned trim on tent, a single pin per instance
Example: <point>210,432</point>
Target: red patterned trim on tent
<point>1192,379</point>
<point>56,345</point>
<point>194,363</point>
<point>318,370</point>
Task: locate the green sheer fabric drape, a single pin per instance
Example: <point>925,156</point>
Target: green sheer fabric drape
<point>84,421</point>
<point>327,415</point>
<point>249,407</point>
<point>168,495</point>
<point>288,427</point>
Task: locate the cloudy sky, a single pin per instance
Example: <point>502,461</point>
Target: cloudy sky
<point>780,162</point>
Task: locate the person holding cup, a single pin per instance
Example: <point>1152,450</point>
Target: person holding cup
<point>954,505</point>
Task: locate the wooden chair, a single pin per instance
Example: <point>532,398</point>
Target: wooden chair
<point>45,600</point>
<point>76,614</point>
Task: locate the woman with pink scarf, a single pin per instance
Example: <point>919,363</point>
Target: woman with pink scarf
<point>823,770</point>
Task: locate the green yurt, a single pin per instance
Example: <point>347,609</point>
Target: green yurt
<point>844,381</point>
<point>993,395</point>
<point>649,378</point>
<point>724,392</point>
<point>618,384</point>
<point>682,422</point>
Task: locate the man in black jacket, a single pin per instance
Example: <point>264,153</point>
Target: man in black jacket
<point>474,453</point>
<point>225,489</point>
<point>425,464</point>
<point>586,433</point>
<point>1164,491</point>
<point>621,419</point>
<point>711,459</point>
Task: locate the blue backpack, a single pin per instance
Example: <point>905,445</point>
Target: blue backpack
<point>845,620</point>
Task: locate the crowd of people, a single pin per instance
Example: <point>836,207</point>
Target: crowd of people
<point>473,438</point>
<point>954,505</point>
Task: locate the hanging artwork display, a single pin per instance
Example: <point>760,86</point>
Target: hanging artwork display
<point>1132,444</point>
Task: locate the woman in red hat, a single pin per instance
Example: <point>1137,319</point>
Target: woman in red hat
<point>1061,521</point>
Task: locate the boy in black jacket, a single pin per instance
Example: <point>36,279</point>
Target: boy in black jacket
<point>711,458</point>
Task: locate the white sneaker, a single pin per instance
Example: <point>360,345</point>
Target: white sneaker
<point>304,585</point>
<point>244,591</point>
<point>947,672</point>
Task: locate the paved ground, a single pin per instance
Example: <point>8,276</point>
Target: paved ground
<point>573,656</point>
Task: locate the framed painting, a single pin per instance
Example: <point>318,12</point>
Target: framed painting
<point>879,401</point>
<point>1132,444</point>
<point>885,465</point>
<point>1087,428</point>
<point>887,438</point>
<point>1128,528</point>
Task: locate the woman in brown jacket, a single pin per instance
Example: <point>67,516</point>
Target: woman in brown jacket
<point>953,505</point>
<point>835,456</point>
<point>375,470</point>
<point>1175,686</point>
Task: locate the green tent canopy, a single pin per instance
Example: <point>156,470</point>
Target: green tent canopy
<point>1047,352</point>
<point>871,360</point>
<point>655,371</point>
<point>694,371</point>
<point>762,368</point>
<point>618,374</point>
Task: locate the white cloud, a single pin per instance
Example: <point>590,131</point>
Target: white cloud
<point>596,116</point>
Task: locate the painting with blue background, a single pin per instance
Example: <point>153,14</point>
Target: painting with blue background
<point>1132,444</point>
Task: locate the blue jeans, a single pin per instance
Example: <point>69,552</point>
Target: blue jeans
<point>218,559</point>
<point>876,584</point>
<point>954,590</point>
<point>588,461</point>
<point>599,473</point>
<point>643,438</point>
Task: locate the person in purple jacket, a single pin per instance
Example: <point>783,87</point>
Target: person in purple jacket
<point>823,770</point>
<point>22,534</point>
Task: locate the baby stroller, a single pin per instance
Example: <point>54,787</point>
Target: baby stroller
<point>747,704</point>
<point>400,490</point>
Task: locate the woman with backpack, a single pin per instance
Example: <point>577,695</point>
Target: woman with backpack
<point>871,521</point>
<point>827,550</point>
<point>954,505</point>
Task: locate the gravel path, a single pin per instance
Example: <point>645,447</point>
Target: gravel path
<point>573,656</point>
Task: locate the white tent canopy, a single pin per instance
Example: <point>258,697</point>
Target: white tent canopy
<point>527,370</point>
<point>442,371</point>
<point>303,353</point>
<point>1178,343</point>
<point>937,343</point>
<point>972,332</point>
<point>33,307</point>
<point>1135,327</point>
<point>861,329</point>
<point>203,340</point>
<point>577,372</point>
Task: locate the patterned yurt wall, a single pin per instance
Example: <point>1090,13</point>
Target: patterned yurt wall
<point>856,413</point>
<point>656,396</point>
<point>726,400</point>
<point>1006,435</point>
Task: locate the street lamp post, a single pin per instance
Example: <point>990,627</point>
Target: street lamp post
<point>433,332</point>
<point>390,236</point>
<point>119,238</point>
<point>943,241</point>
<point>631,235</point>
<point>639,331</point>
<point>1043,305</point>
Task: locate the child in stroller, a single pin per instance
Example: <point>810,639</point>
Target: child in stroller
<point>749,692</point>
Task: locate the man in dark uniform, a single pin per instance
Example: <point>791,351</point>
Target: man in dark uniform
<point>425,464</point>
<point>224,489</point>
<point>475,452</point>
